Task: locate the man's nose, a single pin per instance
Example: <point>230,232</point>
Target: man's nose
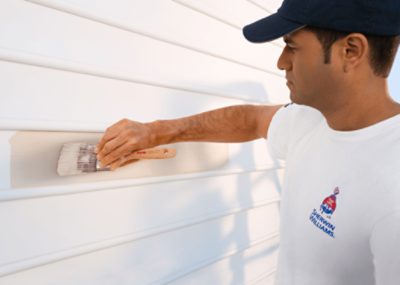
<point>284,62</point>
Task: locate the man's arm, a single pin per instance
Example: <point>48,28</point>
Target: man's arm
<point>230,124</point>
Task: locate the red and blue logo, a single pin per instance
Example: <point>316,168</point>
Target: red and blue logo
<point>321,218</point>
<point>328,206</point>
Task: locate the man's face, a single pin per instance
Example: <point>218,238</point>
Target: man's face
<point>310,80</point>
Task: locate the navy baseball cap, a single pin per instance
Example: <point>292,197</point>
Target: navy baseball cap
<point>371,17</point>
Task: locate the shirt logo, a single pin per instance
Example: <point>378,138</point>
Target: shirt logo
<point>320,218</point>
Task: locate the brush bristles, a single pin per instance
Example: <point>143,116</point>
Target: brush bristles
<point>77,158</point>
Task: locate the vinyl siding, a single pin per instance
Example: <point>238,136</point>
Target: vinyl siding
<point>71,68</point>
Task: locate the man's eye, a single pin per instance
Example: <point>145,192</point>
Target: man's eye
<point>290,48</point>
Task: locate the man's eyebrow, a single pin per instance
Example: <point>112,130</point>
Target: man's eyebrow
<point>288,40</point>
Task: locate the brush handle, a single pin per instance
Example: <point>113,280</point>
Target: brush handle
<point>153,153</point>
<point>149,153</point>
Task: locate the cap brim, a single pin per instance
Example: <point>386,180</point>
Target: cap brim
<point>269,29</point>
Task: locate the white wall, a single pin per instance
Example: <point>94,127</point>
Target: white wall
<point>69,69</point>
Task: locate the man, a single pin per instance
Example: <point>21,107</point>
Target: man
<point>340,211</point>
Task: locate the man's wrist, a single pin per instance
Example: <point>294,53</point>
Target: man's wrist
<point>162,132</point>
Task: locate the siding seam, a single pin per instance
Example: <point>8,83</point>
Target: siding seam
<point>49,191</point>
<point>194,8</point>
<point>11,124</point>
<point>255,3</point>
<point>262,276</point>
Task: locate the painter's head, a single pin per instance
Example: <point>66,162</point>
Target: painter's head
<point>331,43</point>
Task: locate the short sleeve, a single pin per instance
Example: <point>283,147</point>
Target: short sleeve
<point>289,124</point>
<point>385,247</point>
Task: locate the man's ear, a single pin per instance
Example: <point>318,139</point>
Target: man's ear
<point>354,50</point>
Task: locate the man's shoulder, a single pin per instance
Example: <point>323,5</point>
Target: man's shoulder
<point>298,119</point>
<point>291,123</point>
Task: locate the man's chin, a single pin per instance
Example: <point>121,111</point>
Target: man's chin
<point>294,98</point>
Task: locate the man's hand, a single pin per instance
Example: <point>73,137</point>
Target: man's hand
<point>120,140</point>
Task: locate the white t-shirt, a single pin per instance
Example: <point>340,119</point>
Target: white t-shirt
<point>340,208</point>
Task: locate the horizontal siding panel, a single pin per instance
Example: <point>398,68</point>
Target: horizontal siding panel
<point>63,222</point>
<point>21,161</point>
<point>48,95</point>
<point>190,158</point>
<point>154,259</point>
<point>222,23</point>
<point>243,267</point>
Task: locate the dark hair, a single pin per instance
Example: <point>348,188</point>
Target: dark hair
<point>382,48</point>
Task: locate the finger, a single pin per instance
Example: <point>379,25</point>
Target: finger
<point>115,164</point>
<point>122,162</point>
<point>121,149</point>
<point>117,153</point>
<point>129,162</point>
<point>105,139</point>
<point>127,159</point>
<point>111,146</point>
<point>110,133</point>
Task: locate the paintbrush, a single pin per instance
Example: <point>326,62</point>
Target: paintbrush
<point>79,158</point>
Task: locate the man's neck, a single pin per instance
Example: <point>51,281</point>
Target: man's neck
<point>362,108</point>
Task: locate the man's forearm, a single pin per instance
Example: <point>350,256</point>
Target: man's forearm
<point>230,124</point>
